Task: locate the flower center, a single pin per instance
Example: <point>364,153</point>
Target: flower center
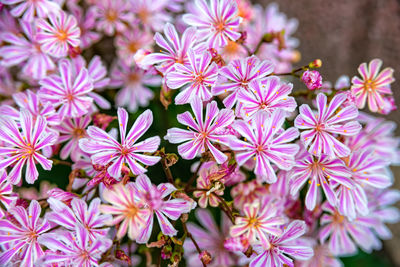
<point>369,85</point>
<point>253,222</point>
<point>131,211</point>
<point>125,151</point>
<point>219,26</point>
<point>111,15</point>
<point>62,35</point>
<point>199,79</point>
<point>79,133</point>
<point>231,48</point>
<point>133,47</point>
<point>260,148</point>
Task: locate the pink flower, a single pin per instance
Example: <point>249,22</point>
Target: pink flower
<point>67,90</point>
<point>127,209</point>
<point>199,76</point>
<point>373,85</point>
<point>248,192</point>
<point>22,147</point>
<point>321,254</point>
<point>173,48</point>
<point>212,189</point>
<point>86,22</point>
<point>322,172</point>
<point>151,13</point>
<point>133,82</point>
<point>71,131</point>
<point>211,237</point>
<point>259,221</point>
<point>237,76</point>
<point>58,36</point>
<point>269,95</point>
<point>73,248</point>
<point>22,235</point>
<point>105,149</point>
<point>367,171</point>
<point>154,200</point>
<point>201,134</point>
<point>112,16</point>
<point>284,248</point>
<point>322,127</point>
<point>217,21</point>
<point>344,235</point>
<point>265,142</point>
<point>312,79</point>
<point>36,63</point>
<point>31,9</point>
<point>130,41</point>
<point>30,102</point>
<point>97,73</point>
<point>7,197</point>
<point>88,217</point>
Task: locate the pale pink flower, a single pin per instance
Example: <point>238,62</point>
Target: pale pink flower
<point>127,209</point>
<point>202,133</point>
<point>31,9</point>
<point>57,37</point>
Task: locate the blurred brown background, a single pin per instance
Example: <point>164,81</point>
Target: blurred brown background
<point>345,33</point>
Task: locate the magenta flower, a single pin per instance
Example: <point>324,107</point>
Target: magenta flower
<point>152,13</point>
<point>71,131</point>
<point>217,21</point>
<point>373,85</point>
<point>284,248</point>
<point>22,235</point>
<point>345,235</point>
<point>73,248</point>
<point>319,172</point>
<point>366,170</point>
<point>201,134</point>
<point>321,254</point>
<point>127,208</point>
<point>207,171</point>
<point>248,192</point>
<point>112,16</point>
<point>312,79</point>
<point>105,149</point>
<point>88,217</point>
<point>97,73</point>
<point>133,80</point>
<point>22,148</point>
<point>269,95</point>
<point>86,23</point>
<point>153,198</point>
<point>173,48</point>
<point>265,142</point>
<point>210,237</point>
<point>57,37</point>
<point>199,75</point>
<point>259,221</point>
<point>7,197</point>
<point>36,63</point>
<point>30,102</point>
<point>31,9</point>
<point>67,91</point>
<point>237,76</point>
<point>130,41</point>
<point>322,127</point>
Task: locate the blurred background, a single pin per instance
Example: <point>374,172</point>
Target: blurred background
<point>343,34</point>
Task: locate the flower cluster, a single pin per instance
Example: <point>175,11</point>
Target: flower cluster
<point>195,113</point>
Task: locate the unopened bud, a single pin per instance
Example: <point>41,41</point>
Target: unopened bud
<point>315,64</point>
<point>205,257</point>
<point>120,254</point>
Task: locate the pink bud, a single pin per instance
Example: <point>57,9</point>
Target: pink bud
<point>312,79</point>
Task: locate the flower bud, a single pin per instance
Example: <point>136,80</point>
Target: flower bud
<point>312,79</point>
<point>205,257</point>
<point>315,64</point>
